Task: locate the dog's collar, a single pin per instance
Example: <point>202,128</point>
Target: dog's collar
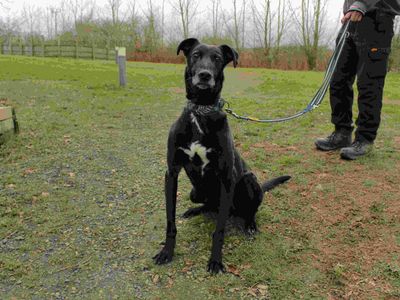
<point>205,109</point>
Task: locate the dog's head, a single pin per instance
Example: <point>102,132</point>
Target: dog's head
<point>205,65</point>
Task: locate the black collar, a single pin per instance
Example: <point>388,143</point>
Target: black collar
<point>205,109</point>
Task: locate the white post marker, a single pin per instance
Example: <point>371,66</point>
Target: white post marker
<point>121,59</point>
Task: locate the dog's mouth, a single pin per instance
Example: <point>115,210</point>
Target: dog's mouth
<point>203,86</point>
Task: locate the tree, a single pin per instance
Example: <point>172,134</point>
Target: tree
<point>187,10</point>
<point>216,4</point>
<point>115,6</point>
<point>311,25</point>
<point>234,23</point>
<point>281,24</point>
<point>162,22</point>
<point>243,22</point>
<point>4,4</point>
<point>32,17</point>
<point>9,28</point>
<point>82,10</point>
<point>133,21</point>
<point>262,19</point>
<point>150,35</point>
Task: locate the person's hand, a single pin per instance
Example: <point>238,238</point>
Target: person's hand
<point>354,16</point>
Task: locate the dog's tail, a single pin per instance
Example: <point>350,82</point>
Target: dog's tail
<point>270,184</point>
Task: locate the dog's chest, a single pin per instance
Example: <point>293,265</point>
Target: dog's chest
<point>195,150</point>
<point>197,154</point>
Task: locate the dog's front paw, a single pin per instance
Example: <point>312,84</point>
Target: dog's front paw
<point>250,229</point>
<point>163,257</point>
<point>214,267</point>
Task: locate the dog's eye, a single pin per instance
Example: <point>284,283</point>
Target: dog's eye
<point>217,58</point>
<point>196,55</point>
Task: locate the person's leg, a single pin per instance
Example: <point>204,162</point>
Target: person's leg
<point>373,46</point>
<point>371,77</point>
<point>341,99</point>
<point>341,88</point>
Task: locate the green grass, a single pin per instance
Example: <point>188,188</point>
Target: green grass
<point>81,188</point>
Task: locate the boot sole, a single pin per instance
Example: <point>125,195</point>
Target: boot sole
<point>347,157</point>
<point>353,157</point>
<point>321,148</point>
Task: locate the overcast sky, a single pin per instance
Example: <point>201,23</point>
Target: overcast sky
<point>332,24</point>
<point>334,6</point>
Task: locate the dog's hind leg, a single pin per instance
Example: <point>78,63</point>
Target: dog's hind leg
<point>194,211</point>
<point>197,197</point>
<point>248,197</point>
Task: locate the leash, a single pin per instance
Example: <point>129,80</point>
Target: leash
<point>320,94</point>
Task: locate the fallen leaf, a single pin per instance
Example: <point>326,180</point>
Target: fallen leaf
<point>156,279</point>
<point>28,171</point>
<point>233,270</point>
<point>251,292</point>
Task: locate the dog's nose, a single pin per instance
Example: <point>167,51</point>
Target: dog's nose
<point>205,75</point>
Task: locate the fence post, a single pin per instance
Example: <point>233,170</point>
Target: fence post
<point>107,50</point>
<point>121,55</point>
<point>93,51</point>
<point>33,52</point>
<point>44,49</point>
<point>22,49</point>
<point>1,48</point>
<point>11,49</point>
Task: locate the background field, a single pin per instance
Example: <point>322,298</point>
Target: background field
<point>81,191</point>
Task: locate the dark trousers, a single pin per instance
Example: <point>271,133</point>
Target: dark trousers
<point>365,55</point>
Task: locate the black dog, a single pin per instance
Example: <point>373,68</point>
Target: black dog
<point>201,142</point>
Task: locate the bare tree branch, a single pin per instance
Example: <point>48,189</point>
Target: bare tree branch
<point>4,4</point>
<point>115,6</point>
<point>187,10</point>
<point>216,4</point>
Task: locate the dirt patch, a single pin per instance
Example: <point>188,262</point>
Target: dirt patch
<point>177,90</point>
<point>248,75</point>
<point>391,101</point>
<point>274,147</point>
<point>397,142</point>
<point>351,218</point>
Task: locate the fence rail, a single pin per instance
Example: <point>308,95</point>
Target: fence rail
<point>74,51</point>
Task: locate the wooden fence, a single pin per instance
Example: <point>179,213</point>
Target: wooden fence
<point>74,51</point>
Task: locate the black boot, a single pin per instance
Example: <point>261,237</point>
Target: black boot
<point>357,149</point>
<point>338,139</point>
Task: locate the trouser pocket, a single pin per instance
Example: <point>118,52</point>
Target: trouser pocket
<point>377,63</point>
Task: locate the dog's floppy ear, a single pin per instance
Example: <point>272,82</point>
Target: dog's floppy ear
<point>230,54</point>
<point>187,45</point>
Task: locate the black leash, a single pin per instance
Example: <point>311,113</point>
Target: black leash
<point>318,97</point>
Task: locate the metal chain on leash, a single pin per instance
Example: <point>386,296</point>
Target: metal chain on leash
<point>320,94</point>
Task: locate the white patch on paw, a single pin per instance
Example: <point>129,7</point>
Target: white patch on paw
<point>201,151</point>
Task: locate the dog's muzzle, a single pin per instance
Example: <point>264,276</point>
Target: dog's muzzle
<point>203,80</point>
